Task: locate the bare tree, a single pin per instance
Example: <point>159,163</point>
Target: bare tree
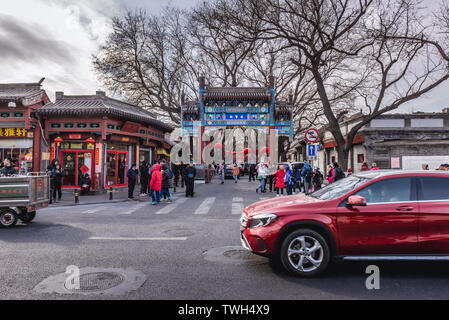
<point>144,60</point>
<point>224,56</point>
<point>377,50</point>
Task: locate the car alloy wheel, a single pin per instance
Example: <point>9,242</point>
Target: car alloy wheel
<point>305,252</point>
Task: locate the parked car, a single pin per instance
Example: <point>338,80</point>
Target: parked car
<point>374,215</point>
<point>293,165</point>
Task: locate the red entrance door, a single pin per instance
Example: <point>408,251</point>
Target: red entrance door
<point>116,167</point>
<point>75,164</point>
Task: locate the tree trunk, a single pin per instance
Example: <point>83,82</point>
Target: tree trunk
<point>342,157</point>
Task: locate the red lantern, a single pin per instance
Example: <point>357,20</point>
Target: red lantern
<point>90,140</point>
<point>58,141</point>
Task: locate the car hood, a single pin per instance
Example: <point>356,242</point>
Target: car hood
<point>274,204</point>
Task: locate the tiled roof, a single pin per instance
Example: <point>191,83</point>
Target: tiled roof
<point>283,105</point>
<point>99,104</point>
<point>26,93</point>
<point>236,92</point>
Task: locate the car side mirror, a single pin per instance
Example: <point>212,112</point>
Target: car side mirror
<point>356,201</point>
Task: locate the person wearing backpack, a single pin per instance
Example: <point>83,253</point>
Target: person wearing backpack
<point>261,176</point>
<point>297,175</point>
<point>166,183</point>
<point>290,181</point>
<point>307,175</point>
<point>338,173</point>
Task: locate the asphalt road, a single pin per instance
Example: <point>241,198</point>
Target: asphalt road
<point>167,244</point>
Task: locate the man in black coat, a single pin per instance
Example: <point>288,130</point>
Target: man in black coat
<point>144,178</point>
<point>252,172</point>
<point>132,177</point>
<point>175,170</point>
<point>190,173</point>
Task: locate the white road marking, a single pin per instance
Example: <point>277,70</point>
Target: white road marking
<point>95,210</point>
<point>205,206</point>
<point>264,198</point>
<point>172,206</point>
<point>140,238</point>
<point>237,205</point>
<point>136,207</point>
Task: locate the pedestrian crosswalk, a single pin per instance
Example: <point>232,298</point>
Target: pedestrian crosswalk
<point>237,205</point>
<point>195,206</point>
<point>172,206</point>
<point>205,206</point>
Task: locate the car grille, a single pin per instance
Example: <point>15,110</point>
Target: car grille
<point>243,220</point>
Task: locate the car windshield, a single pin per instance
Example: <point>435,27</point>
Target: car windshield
<point>339,188</point>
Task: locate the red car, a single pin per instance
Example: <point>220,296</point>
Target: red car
<point>373,215</point>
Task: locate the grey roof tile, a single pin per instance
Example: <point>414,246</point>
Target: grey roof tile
<point>97,105</point>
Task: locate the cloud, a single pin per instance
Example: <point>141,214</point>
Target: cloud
<point>30,43</point>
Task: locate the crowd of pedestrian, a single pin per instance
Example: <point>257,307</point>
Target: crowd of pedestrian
<point>157,180</point>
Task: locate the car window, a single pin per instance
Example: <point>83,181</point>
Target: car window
<point>339,188</point>
<point>388,190</point>
<point>433,188</point>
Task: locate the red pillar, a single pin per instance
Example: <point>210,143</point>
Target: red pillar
<point>37,138</point>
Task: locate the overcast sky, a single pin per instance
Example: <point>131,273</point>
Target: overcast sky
<point>56,38</point>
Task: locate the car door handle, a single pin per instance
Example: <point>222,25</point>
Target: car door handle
<point>404,208</point>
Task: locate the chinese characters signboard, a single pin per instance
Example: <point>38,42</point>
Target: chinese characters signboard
<point>13,132</point>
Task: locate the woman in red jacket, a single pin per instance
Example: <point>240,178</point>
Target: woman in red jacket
<point>280,175</point>
<point>156,184</point>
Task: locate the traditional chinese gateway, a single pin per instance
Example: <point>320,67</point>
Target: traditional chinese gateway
<point>230,107</point>
<point>92,134</point>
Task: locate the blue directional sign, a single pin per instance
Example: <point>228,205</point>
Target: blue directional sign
<point>311,150</point>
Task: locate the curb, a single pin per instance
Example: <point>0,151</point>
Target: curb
<point>148,199</point>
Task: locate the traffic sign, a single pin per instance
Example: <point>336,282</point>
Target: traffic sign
<point>312,135</point>
<point>311,150</point>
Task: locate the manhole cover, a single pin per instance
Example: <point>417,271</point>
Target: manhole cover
<point>233,255</point>
<point>92,281</point>
<point>98,281</point>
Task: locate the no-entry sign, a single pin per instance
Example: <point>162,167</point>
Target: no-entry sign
<point>312,135</point>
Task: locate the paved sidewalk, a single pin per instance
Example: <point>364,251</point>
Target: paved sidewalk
<point>118,195</point>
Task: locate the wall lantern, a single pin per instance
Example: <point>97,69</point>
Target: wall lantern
<point>90,140</point>
<point>12,105</point>
<point>58,140</point>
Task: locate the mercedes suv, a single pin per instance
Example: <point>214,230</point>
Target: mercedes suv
<point>374,215</point>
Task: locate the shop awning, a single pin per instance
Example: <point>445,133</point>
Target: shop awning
<point>163,152</point>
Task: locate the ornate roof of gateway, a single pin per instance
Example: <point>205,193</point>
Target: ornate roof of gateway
<point>99,105</point>
<point>25,93</point>
<point>236,92</point>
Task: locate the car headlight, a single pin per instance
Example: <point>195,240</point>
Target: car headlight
<point>261,220</point>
